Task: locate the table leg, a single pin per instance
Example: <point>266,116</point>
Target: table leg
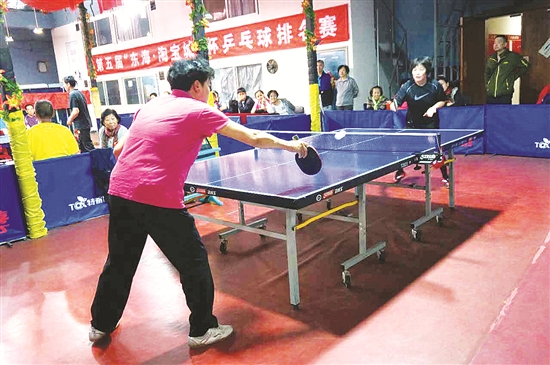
<point>428,188</point>
<point>451,180</point>
<point>292,257</point>
<point>362,207</point>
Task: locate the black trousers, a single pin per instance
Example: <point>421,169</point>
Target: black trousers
<point>85,140</point>
<point>503,99</point>
<point>175,233</point>
<point>434,125</point>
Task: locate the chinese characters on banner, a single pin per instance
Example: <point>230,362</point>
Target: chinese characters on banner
<point>273,35</point>
<point>514,43</point>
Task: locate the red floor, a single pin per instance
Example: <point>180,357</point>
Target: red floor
<point>475,291</point>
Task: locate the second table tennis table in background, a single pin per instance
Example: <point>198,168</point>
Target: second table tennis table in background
<point>351,158</point>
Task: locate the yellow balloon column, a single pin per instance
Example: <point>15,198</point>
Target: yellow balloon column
<point>32,204</point>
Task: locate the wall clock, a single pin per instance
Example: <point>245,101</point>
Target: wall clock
<point>272,66</point>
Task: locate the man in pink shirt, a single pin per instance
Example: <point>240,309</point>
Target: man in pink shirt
<point>146,198</point>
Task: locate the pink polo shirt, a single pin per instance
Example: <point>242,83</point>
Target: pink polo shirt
<point>163,142</point>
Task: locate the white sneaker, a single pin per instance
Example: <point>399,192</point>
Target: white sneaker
<point>95,335</point>
<point>211,336</point>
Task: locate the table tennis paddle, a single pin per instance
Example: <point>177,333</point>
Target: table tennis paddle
<point>311,164</point>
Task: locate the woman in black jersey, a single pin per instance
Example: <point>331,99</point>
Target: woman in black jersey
<point>423,96</point>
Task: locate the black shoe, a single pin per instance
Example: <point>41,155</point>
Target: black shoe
<point>399,175</point>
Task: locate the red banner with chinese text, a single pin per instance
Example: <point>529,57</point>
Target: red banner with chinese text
<point>272,35</point>
<point>59,100</point>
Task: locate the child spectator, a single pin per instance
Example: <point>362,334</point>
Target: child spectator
<point>261,103</point>
<point>30,118</point>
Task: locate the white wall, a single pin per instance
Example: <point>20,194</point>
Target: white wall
<point>170,20</point>
<point>69,53</point>
<point>362,49</point>
<point>509,26</point>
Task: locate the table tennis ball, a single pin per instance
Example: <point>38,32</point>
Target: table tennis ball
<point>339,135</point>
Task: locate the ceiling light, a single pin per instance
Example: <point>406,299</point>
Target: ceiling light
<point>37,30</point>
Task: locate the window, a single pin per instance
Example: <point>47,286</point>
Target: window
<point>223,9</point>
<point>132,23</point>
<point>127,23</point>
<point>228,80</point>
<point>101,90</point>
<point>132,91</point>
<point>138,89</point>
<point>149,85</point>
<point>102,31</point>
<point>109,92</point>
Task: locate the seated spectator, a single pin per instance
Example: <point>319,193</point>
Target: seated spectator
<point>48,139</point>
<point>376,100</point>
<point>279,106</point>
<point>152,96</point>
<point>30,117</point>
<point>111,130</point>
<point>454,96</point>
<point>544,96</point>
<point>261,103</point>
<point>218,104</point>
<point>246,103</point>
<point>233,107</point>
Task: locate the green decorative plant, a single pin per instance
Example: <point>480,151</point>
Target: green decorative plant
<point>311,40</point>
<point>200,42</point>
<point>12,91</point>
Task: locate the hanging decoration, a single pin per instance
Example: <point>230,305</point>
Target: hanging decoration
<point>12,91</point>
<point>311,47</point>
<point>56,5</point>
<point>13,94</point>
<point>200,42</point>
<point>51,6</point>
<point>88,40</point>
<point>311,40</point>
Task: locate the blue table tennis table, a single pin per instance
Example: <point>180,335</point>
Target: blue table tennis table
<point>351,158</point>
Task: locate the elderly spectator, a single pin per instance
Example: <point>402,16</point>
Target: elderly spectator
<point>326,85</point>
<point>376,100</point>
<point>346,89</point>
<point>48,139</point>
<point>279,106</point>
<point>111,130</point>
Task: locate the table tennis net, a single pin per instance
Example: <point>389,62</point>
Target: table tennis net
<point>376,142</point>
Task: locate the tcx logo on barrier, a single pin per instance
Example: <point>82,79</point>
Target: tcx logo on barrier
<point>82,202</point>
<point>544,144</point>
<point>4,221</point>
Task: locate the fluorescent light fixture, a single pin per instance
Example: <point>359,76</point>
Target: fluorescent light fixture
<point>37,29</point>
<point>9,38</point>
